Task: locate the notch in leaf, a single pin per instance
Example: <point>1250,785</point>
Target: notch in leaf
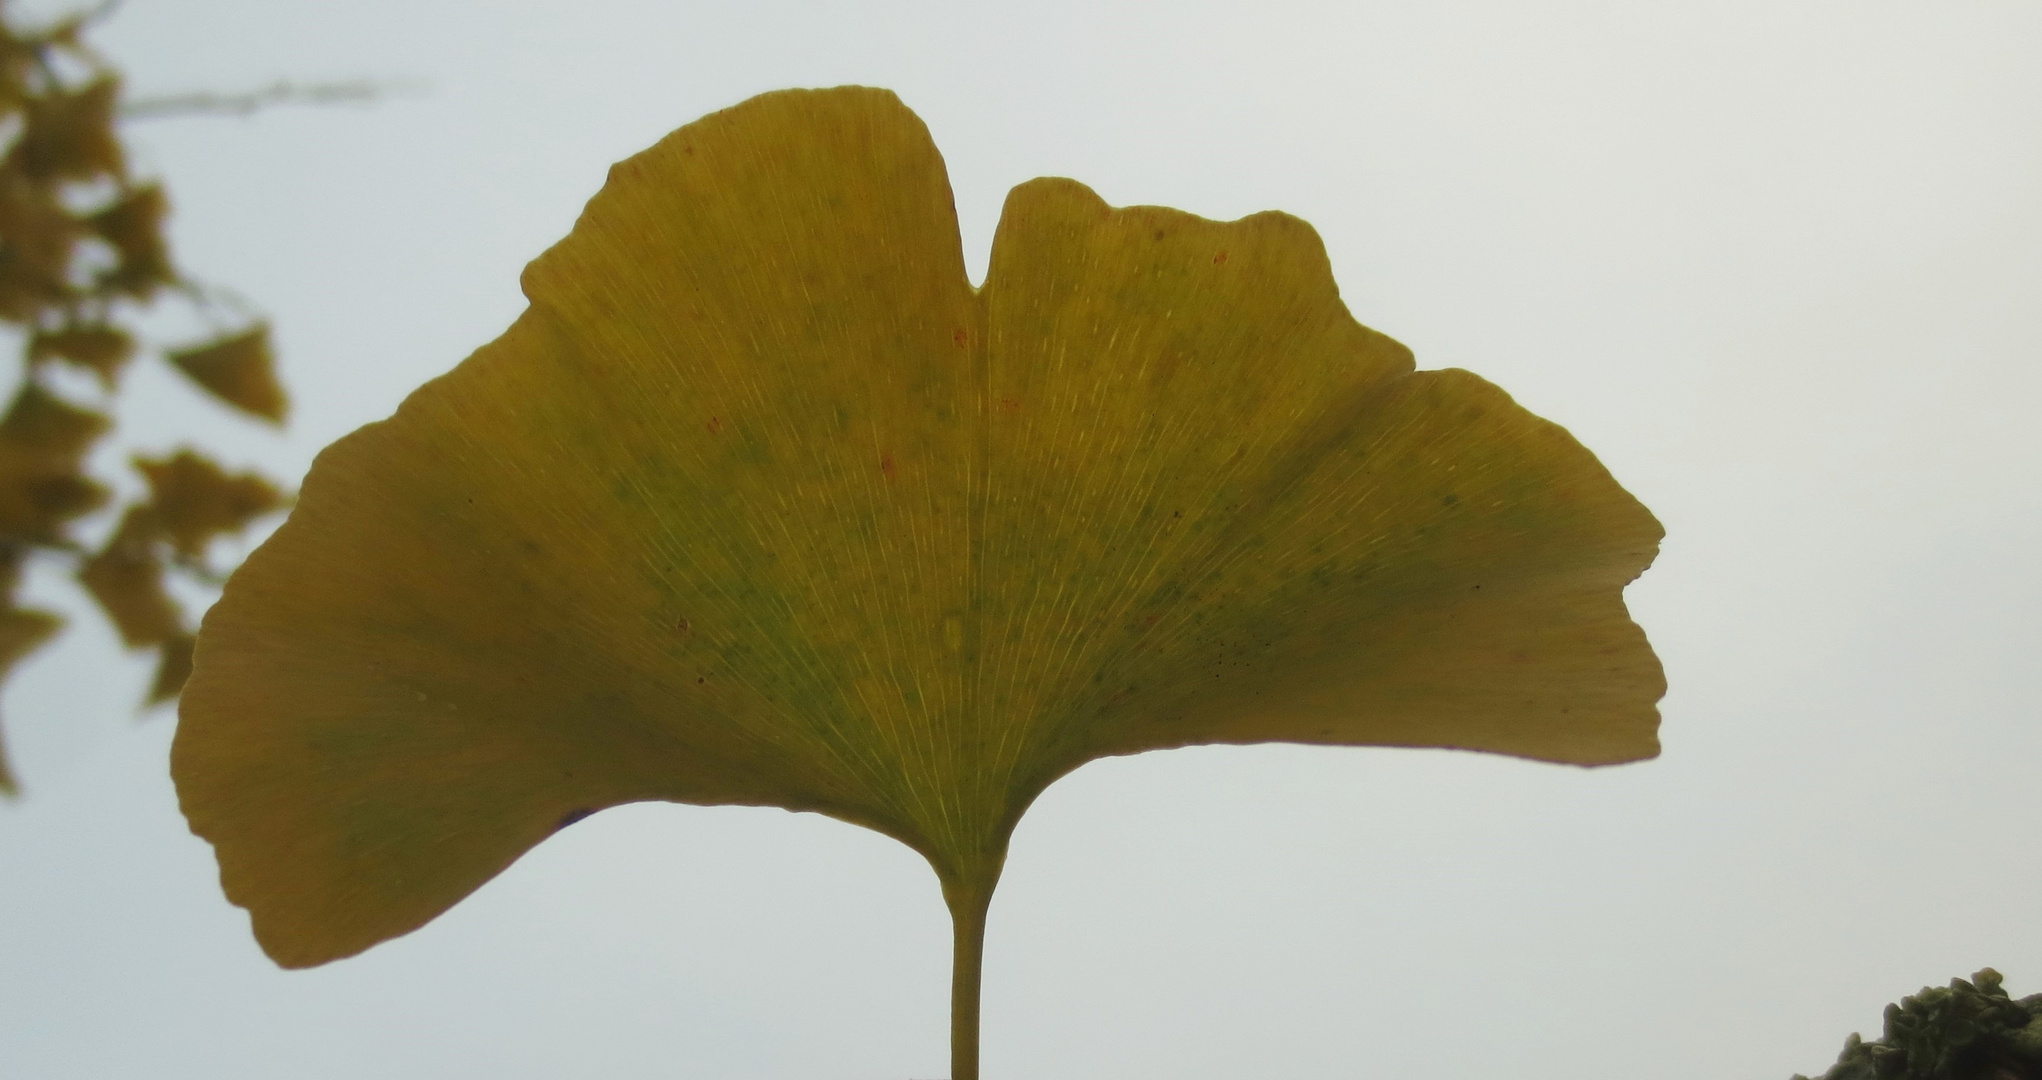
<point>760,502</point>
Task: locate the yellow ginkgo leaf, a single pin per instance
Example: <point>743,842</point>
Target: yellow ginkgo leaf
<point>239,370</point>
<point>195,501</point>
<point>760,502</point>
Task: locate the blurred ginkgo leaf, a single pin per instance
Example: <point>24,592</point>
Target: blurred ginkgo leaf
<point>50,429</point>
<point>81,246</point>
<point>68,134</point>
<point>38,238</point>
<point>126,577</point>
<point>103,350</point>
<point>239,370</point>
<point>760,502</point>
<point>43,440</point>
<point>194,501</point>
<point>134,226</point>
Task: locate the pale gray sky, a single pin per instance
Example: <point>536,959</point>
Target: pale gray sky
<point>1778,263</point>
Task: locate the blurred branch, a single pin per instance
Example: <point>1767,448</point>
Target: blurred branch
<point>281,92</point>
<point>95,13</point>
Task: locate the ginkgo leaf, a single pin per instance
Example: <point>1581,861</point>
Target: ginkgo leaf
<point>759,502</point>
<point>68,134</point>
<point>126,578</point>
<point>38,237</point>
<point>239,370</point>
<point>195,501</point>
<point>53,431</point>
<point>134,226</point>
<point>43,440</point>
<point>103,350</point>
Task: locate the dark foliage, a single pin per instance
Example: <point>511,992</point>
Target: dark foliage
<point>1967,1031</point>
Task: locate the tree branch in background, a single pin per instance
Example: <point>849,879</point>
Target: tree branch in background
<point>281,92</point>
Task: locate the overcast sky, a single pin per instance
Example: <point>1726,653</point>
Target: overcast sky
<point>1779,264</point>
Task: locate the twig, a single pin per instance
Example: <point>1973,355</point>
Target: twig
<point>281,92</point>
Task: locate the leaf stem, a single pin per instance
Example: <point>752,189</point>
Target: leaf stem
<point>968,906</point>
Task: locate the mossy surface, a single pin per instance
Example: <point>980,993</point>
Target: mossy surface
<point>1967,1031</point>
